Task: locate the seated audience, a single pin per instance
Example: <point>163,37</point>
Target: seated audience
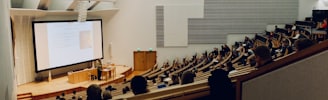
<point>247,53</point>
<point>289,32</point>
<point>323,25</point>
<point>110,88</point>
<point>215,51</point>
<point>303,43</point>
<point>139,85</point>
<point>94,92</point>
<point>125,90</point>
<point>221,87</point>
<point>226,48</point>
<point>74,95</point>
<point>275,46</point>
<point>187,77</point>
<point>57,97</point>
<point>296,36</point>
<point>63,96</point>
<point>175,80</point>
<point>107,95</point>
<point>262,56</point>
<point>79,98</point>
<point>285,48</point>
<point>230,66</point>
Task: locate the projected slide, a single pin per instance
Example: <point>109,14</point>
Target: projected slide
<point>60,44</point>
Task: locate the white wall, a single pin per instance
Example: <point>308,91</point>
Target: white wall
<point>134,27</point>
<point>321,5</point>
<point>306,7</point>
<point>7,79</point>
<point>176,23</point>
<point>30,4</point>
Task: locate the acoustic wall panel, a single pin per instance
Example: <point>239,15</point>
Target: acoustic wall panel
<point>160,26</point>
<point>239,16</point>
<point>230,16</point>
<point>176,23</point>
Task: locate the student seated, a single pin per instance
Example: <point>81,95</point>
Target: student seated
<point>110,88</point>
<point>230,66</point>
<point>107,95</point>
<point>175,80</point>
<point>94,92</point>
<point>262,56</point>
<point>323,25</point>
<point>187,77</point>
<point>125,90</point>
<point>296,36</point>
<point>302,44</point>
<point>285,49</point>
<point>289,32</point>
<point>139,85</point>
<point>221,87</point>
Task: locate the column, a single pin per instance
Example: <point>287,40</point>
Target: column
<point>7,84</point>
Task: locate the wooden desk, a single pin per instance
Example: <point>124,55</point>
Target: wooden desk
<point>109,72</point>
<point>106,73</point>
<point>81,76</point>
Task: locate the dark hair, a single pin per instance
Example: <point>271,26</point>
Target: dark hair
<point>79,98</point>
<point>175,79</point>
<point>187,77</point>
<point>139,85</point>
<point>303,43</point>
<point>57,97</point>
<point>263,52</point>
<point>230,66</point>
<point>220,85</point>
<point>94,92</point>
<point>107,95</point>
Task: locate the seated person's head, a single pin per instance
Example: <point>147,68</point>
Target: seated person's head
<point>109,88</point>
<point>230,66</point>
<point>127,88</point>
<point>220,85</point>
<point>107,95</point>
<point>175,79</point>
<point>262,55</point>
<point>58,97</point>
<point>79,98</point>
<point>303,43</point>
<point>187,77</point>
<point>94,92</point>
<point>139,85</point>
<point>285,42</point>
<point>217,76</point>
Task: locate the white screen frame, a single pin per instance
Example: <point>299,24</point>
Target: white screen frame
<point>41,48</point>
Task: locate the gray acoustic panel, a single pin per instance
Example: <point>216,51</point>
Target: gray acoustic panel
<point>238,16</point>
<point>160,26</point>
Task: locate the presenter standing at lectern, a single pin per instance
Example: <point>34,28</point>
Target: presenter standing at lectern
<point>99,68</point>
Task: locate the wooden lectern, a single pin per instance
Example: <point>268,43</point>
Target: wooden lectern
<point>81,76</point>
<point>144,60</point>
